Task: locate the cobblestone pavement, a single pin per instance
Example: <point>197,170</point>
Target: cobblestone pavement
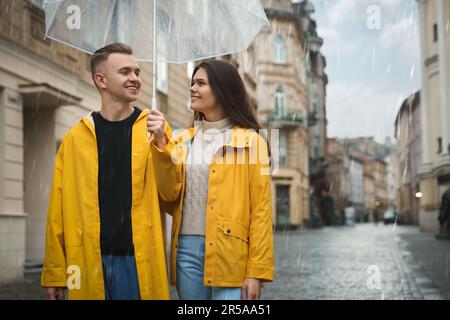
<point>345,262</point>
<point>366,261</point>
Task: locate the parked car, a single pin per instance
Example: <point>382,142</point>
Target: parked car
<point>389,216</point>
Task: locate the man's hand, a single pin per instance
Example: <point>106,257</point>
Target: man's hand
<point>55,293</point>
<point>251,289</point>
<point>155,126</point>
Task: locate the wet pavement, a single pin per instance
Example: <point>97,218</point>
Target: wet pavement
<point>367,261</point>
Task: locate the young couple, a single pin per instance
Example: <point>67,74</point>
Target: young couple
<point>111,187</point>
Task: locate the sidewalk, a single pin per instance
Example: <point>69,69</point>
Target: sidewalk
<point>27,289</point>
<point>30,289</point>
<point>432,256</point>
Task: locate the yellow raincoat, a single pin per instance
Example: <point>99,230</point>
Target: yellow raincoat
<point>72,254</point>
<point>239,236</point>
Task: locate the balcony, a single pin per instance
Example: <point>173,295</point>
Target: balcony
<point>286,119</point>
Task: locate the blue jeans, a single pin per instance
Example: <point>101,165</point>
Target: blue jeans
<point>120,276</point>
<point>190,266</point>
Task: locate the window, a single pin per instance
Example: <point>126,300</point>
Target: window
<point>279,50</point>
<point>280,101</point>
<point>435,32</point>
<point>162,83</point>
<point>439,141</point>
<point>315,107</point>
<point>302,71</point>
<point>316,147</point>
<point>283,148</point>
<point>282,204</point>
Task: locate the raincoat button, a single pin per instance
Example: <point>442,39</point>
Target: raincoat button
<point>209,281</point>
<point>214,171</point>
<point>228,230</point>
<point>212,207</point>
<point>210,243</point>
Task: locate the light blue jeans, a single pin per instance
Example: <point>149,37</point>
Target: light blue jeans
<point>120,276</point>
<point>190,266</point>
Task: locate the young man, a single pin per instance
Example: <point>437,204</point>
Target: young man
<point>104,238</point>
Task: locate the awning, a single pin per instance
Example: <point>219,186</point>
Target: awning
<point>43,95</point>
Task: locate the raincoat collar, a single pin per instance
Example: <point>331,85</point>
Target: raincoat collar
<point>88,120</point>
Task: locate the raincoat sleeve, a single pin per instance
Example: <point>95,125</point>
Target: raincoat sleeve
<point>54,267</point>
<point>168,171</point>
<point>260,262</point>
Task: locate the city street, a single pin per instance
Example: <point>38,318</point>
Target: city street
<point>343,262</point>
<point>345,101</point>
<point>340,263</point>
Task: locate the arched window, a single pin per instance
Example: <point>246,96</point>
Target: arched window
<point>280,101</point>
<point>279,50</point>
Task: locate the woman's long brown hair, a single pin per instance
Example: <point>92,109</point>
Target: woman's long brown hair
<point>229,89</point>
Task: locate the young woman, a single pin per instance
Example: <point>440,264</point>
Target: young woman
<point>222,236</point>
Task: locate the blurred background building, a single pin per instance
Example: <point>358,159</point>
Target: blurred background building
<point>409,155</point>
<point>434,170</point>
<point>362,174</point>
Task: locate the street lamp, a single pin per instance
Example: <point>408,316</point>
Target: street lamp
<point>419,195</point>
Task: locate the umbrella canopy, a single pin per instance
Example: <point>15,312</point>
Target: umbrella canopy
<point>186,30</point>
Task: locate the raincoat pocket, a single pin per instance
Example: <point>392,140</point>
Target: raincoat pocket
<point>73,237</point>
<point>232,251</point>
<point>235,229</point>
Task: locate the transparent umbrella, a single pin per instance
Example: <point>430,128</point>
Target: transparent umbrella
<point>172,31</point>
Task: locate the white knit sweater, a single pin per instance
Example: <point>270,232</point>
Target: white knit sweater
<point>212,136</point>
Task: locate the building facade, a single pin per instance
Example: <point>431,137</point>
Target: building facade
<point>356,181</point>
<point>337,175</point>
<point>358,175</point>
<point>282,104</point>
<point>435,109</point>
<point>369,189</point>
<point>317,81</point>
<point>381,185</point>
<point>409,155</point>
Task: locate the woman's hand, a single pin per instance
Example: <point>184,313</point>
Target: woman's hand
<point>251,289</point>
<point>155,126</point>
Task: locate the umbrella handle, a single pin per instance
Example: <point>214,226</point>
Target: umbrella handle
<point>154,103</point>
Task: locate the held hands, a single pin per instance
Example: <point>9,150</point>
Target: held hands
<point>251,289</point>
<point>156,126</point>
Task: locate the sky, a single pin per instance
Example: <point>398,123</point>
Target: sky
<point>372,49</point>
